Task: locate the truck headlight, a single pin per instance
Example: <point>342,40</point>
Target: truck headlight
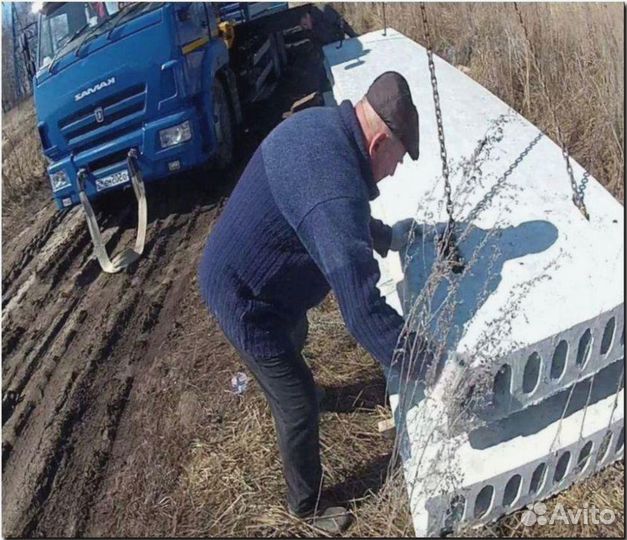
<point>59,180</point>
<point>175,135</point>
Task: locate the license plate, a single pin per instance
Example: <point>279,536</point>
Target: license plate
<point>114,179</point>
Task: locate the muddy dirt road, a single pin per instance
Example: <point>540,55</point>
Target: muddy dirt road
<point>96,366</point>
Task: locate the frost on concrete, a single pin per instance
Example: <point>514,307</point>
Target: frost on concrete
<point>538,310</point>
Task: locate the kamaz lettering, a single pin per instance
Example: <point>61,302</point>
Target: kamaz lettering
<point>94,88</point>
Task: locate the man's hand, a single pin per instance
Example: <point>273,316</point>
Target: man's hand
<point>400,233</point>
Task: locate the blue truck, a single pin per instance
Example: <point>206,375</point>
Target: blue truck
<point>126,93</point>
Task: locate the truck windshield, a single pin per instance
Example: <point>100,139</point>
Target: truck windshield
<point>64,28</point>
<point>60,26</point>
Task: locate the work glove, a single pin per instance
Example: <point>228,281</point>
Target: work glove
<point>431,232</point>
<point>400,233</point>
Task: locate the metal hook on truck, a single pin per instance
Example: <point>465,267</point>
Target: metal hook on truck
<point>127,93</point>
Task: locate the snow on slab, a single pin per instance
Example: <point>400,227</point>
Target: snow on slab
<point>542,295</point>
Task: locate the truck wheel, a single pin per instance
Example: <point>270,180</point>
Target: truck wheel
<point>276,56</point>
<point>280,40</point>
<point>223,126</point>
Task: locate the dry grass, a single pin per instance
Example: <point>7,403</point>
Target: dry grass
<point>23,164</point>
<point>211,467</point>
<point>581,58</point>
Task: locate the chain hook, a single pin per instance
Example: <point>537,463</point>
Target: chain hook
<point>447,243</point>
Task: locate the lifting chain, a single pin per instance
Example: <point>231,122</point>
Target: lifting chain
<point>500,183</point>
<point>578,190</point>
<point>438,116</point>
<point>448,246</point>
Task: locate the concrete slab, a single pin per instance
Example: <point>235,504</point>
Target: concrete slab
<point>506,465</point>
<point>539,307</point>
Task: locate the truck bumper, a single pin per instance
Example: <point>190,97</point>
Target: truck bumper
<point>107,168</point>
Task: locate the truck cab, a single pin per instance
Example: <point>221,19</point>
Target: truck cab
<point>148,89</point>
<point>112,79</point>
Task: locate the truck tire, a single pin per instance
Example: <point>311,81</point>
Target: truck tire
<point>276,56</point>
<point>280,40</point>
<point>223,126</point>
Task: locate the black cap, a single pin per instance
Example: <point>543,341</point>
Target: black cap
<point>390,97</point>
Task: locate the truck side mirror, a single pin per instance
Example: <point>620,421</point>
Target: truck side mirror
<point>28,60</point>
<point>30,68</point>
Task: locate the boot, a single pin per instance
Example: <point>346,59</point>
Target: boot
<point>330,519</point>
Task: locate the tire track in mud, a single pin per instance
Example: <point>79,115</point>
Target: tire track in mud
<point>49,279</point>
<point>66,324</point>
<point>107,509</point>
<point>129,353</point>
<point>80,393</point>
<point>44,352</point>
<point>55,450</point>
<point>31,249</point>
<point>27,317</point>
<point>68,409</point>
<point>17,386</point>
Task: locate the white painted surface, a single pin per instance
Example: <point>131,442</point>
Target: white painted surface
<point>588,276</point>
<point>538,273</point>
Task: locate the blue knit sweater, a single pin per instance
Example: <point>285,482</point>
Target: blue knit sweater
<point>297,224</point>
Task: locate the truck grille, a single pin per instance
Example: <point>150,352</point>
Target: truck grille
<point>97,166</point>
<point>105,120</point>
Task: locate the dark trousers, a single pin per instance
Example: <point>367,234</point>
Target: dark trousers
<point>290,389</point>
